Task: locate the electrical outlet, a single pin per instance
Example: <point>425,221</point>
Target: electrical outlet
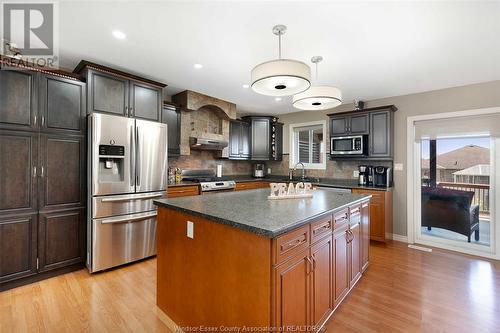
<point>355,174</point>
<point>268,171</point>
<point>398,166</point>
<point>190,229</point>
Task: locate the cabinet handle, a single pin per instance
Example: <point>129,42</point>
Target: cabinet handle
<point>314,263</point>
<point>43,120</point>
<point>34,121</point>
<point>310,265</point>
<point>42,172</point>
<point>364,205</point>
<point>34,171</point>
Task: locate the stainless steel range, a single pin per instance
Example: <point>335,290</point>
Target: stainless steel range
<point>207,180</point>
<point>127,170</point>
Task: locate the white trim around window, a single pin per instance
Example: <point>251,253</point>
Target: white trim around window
<point>293,145</point>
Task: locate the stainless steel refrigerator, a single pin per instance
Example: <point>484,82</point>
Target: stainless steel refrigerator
<point>127,170</point>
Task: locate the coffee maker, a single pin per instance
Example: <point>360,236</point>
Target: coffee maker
<point>383,176</point>
<point>258,170</point>
<point>362,177</point>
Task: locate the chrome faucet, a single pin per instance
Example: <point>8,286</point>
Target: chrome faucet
<point>303,170</point>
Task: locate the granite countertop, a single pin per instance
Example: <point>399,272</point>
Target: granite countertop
<point>251,210</point>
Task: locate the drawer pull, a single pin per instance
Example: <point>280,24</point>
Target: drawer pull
<point>364,205</point>
<point>322,228</point>
<point>292,244</point>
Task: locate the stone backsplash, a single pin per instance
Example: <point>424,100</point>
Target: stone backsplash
<point>200,159</point>
<point>334,169</point>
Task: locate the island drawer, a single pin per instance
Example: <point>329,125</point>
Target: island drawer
<point>340,218</point>
<point>182,191</point>
<point>288,245</point>
<point>321,228</point>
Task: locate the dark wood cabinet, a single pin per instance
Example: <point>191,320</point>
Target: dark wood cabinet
<point>145,101</point>
<point>261,131</point>
<point>62,105</point>
<point>62,174</point>
<point>42,175</point>
<point>349,125</point>
<point>18,172</point>
<point>18,241</point>
<point>172,117</point>
<point>61,237</point>
<point>340,246</point>
<point>293,289</point>
<point>116,92</point>
<point>239,140</point>
<point>365,235</point>
<point>380,139</point>
<point>107,93</point>
<point>277,153</point>
<point>322,256</point>
<point>18,100</point>
<point>375,124</point>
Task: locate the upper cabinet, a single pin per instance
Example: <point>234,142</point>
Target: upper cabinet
<point>349,124</point>
<point>376,124</point>
<point>266,139</point>
<point>171,115</point>
<point>115,92</point>
<point>18,99</point>
<point>239,140</point>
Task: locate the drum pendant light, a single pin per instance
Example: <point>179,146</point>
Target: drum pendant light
<point>281,77</point>
<point>318,97</point>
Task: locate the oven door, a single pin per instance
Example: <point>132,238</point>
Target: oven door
<point>348,145</point>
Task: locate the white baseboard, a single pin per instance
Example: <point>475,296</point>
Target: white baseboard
<point>400,238</point>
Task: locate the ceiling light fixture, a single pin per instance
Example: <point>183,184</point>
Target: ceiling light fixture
<point>277,99</point>
<point>119,34</point>
<point>198,66</point>
<point>281,77</point>
<point>318,97</point>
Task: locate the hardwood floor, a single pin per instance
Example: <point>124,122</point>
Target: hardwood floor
<point>403,290</point>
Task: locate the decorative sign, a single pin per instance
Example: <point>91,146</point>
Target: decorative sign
<point>291,191</point>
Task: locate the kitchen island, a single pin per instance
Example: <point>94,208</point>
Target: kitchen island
<point>237,259</point>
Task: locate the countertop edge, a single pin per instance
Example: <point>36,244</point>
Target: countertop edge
<point>256,230</point>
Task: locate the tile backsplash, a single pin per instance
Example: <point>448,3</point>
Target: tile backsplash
<point>209,160</point>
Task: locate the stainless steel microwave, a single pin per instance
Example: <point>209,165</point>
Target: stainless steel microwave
<point>349,145</point>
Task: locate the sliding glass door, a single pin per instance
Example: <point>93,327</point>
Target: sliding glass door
<point>455,180</point>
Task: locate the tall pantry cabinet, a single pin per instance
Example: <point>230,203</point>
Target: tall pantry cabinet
<point>42,175</point>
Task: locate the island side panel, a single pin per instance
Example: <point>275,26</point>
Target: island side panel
<point>220,277</point>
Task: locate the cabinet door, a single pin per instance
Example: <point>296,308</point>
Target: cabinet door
<point>355,251</point>
<point>61,237</point>
<point>365,235</point>
<point>18,246</point>
<point>63,176</point>
<point>172,117</point>
<point>377,221</point>
<point>17,100</point>
<point>338,126</point>
<point>292,292</point>
<point>245,144</point>
<point>234,139</point>
<point>260,139</point>
<point>62,105</point>
<point>107,93</point>
<point>380,140</point>
<point>341,265</point>
<point>322,280</point>
<point>145,101</point>
<point>18,174</point>
<point>359,124</point>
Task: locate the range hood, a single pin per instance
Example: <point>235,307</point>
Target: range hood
<point>207,144</point>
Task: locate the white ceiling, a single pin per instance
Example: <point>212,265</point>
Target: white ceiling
<point>370,49</point>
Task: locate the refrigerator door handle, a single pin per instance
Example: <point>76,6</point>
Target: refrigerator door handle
<point>131,197</point>
<point>128,218</point>
<point>131,159</point>
<point>138,158</point>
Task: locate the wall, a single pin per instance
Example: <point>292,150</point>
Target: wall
<point>468,97</point>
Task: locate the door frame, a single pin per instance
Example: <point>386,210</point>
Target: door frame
<point>413,191</point>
